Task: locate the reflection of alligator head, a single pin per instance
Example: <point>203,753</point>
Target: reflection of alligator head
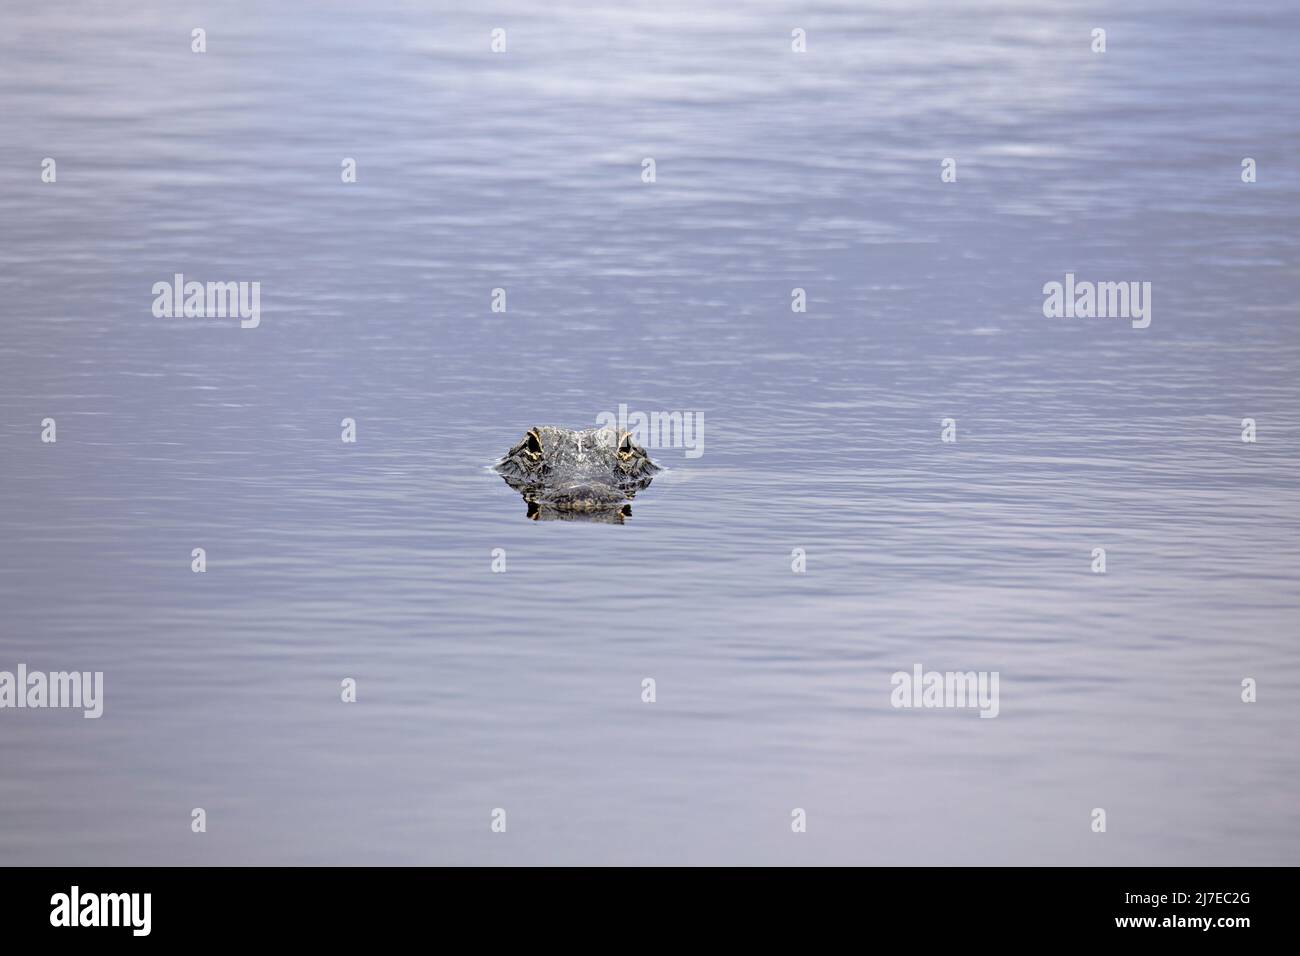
<point>569,475</point>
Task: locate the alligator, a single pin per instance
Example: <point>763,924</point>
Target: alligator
<point>567,475</point>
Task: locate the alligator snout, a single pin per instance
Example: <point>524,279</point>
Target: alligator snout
<point>582,497</point>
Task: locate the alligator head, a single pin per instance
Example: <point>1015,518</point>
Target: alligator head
<point>586,475</point>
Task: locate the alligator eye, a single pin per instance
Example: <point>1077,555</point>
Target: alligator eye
<point>627,450</point>
<point>533,446</point>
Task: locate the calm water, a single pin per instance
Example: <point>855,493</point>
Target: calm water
<point>522,690</point>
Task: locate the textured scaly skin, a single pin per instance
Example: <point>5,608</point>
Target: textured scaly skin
<point>577,475</point>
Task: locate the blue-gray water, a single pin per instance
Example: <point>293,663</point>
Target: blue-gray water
<point>522,690</point>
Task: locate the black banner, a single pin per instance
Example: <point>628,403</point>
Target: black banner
<point>1226,906</point>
